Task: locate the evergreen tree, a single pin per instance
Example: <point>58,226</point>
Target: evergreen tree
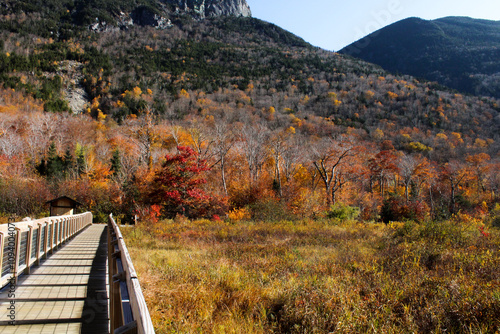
<point>80,160</point>
<point>69,163</point>
<point>55,164</point>
<point>116,163</point>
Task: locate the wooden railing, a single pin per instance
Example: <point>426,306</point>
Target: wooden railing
<point>128,310</point>
<point>24,244</point>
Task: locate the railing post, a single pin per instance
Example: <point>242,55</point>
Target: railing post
<point>69,233</point>
<point>64,230</point>
<point>70,229</point>
<point>59,232</point>
<point>39,243</point>
<point>52,226</point>
<point>16,255</point>
<point>28,249</point>
<point>116,312</point>
<point>56,234</point>
<point>46,239</point>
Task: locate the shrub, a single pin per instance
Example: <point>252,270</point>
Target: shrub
<point>343,212</point>
<point>239,214</point>
<point>495,216</point>
<point>269,209</point>
<point>395,208</point>
<point>23,197</point>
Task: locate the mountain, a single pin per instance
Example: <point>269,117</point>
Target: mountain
<point>458,52</point>
<point>79,56</point>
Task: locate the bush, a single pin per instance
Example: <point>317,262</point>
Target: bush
<point>495,216</point>
<point>23,197</point>
<point>396,208</point>
<point>239,214</point>
<point>269,209</point>
<point>343,212</point>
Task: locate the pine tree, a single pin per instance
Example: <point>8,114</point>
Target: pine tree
<point>80,160</point>
<point>69,163</point>
<point>55,164</point>
<point>116,163</point>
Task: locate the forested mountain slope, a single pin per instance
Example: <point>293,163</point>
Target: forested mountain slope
<point>92,109</point>
<point>459,52</point>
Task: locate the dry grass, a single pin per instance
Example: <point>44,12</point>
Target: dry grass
<point>318,277</point>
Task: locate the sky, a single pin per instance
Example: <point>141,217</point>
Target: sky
<point>333,24</point>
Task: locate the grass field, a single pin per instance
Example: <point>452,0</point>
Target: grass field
<point>319,277</point>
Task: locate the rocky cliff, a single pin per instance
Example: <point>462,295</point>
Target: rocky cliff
<point>211,8</point>
<point>228,7</point>
<point>158,15</point>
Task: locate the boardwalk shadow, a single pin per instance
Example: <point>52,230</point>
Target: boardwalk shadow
<point>95,317</point>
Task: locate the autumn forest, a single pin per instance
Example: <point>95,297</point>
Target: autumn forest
<point>302,133</point>
<point>260,160</point>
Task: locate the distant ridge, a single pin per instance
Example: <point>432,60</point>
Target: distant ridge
<point>459,52</point>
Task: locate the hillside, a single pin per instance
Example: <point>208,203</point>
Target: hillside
<point>458,52</point>
<point>95,111</point>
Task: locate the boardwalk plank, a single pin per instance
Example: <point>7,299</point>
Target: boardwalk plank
<point>67,293</point>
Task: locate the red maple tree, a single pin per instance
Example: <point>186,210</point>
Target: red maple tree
<point>176,186</point>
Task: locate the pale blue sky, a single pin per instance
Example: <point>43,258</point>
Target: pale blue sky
<point>333,24</point>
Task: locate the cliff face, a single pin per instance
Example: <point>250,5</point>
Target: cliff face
<point>228,7</point>
<point>212,8</point>
<point>159,16</point>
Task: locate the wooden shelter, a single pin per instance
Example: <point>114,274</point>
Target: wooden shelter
<point>63,206</point>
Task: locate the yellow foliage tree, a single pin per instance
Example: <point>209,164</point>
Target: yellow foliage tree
<point>183,94</point>
<point>137,92</point>
<point>392,95</point>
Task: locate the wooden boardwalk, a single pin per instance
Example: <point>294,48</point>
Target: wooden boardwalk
<point>67,293</point>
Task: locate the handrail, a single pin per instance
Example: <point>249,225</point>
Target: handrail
<point>24,244</point>
<point>128,310</point>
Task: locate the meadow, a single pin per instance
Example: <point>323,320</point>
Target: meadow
<point>323,276</point>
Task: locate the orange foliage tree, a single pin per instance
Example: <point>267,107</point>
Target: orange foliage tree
<point>329,157</point>
<point>453,173</point>
<point>412,168</point>
<point>382,166</point>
